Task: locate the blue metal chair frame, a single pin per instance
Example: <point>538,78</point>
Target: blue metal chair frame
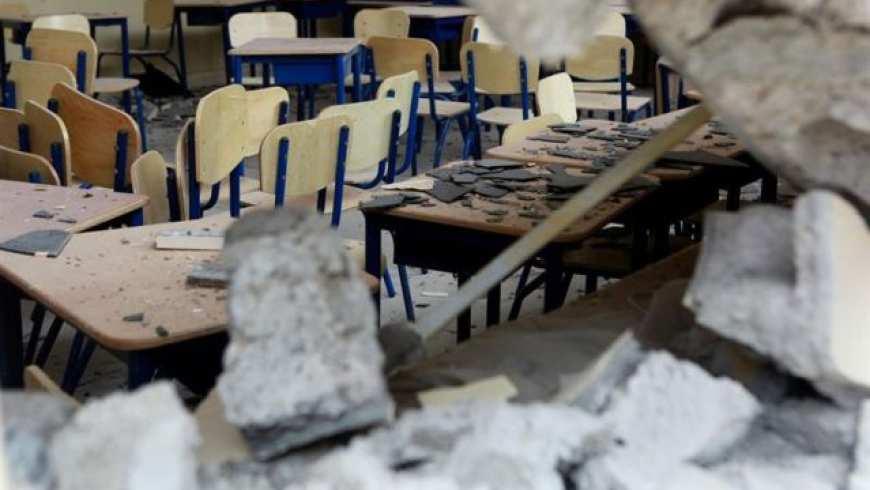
<point>57,157</point>
<point>442,125</point>
<point>626,116</point>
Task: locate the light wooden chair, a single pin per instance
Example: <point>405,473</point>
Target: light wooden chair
<point>556,96</point>
<point>158,16</point>
<point>21,166</point>
<point>104,141</point>
<point>217,143</point>
<point>39,131</point>
<point>78,52</point>
<point>267,109</point>
<point>604,67</point>
<point>612,25</point>
<point>152,177</point>
<point>477,30</point>
<point>65,22</point>
<point>374,138</point>
<point>673,92</point>
<point>33,81</point>
<point>394,57</point>
<point>518,132</point>
<point>10,127</point>
<point>405,89</point>
<point>245,27</point>
<point>381,22</point>
<point>495,70</point>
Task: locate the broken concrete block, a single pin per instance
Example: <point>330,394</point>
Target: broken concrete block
<point>620,473</point>
<point>696,417</point>
<point>859,479</point>
<point>567,27</point>
<point>29,422</point>
<point>303,361</point>
<point>128,441</point>
<point>813,425</point>
<point>789,76</point>
<point>795,289</point>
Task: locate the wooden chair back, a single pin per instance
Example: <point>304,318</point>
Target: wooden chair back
<point>394,56</point>
<point>475,29</point>
<point>181,170</point>
<point>149,174</point>
<point>612,25</point>
<point>34,80</point>
<point>266,109</point>
<point>65,22</point>
<point>93,129</point>
<point>518,132</point>
<point>600,59</point>
<point>556,96</point>
<point>313,148</point>
<point>159,14</point>
<point>63,48</point>
<point>221,133</point>
<point>49,138</point>
<point>497,68</point>
<point>19,166</point>
<point>370,131</point>
<point>10,120</point>
<point>381,22</point>
<point>402,88</point>
<point>245,27</point>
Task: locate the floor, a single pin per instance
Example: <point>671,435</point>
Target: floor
<point>106,373</point>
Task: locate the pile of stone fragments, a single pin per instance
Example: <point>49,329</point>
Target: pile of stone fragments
<point>753,375</point>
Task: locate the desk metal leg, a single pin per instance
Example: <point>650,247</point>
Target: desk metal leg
<point>553,282</point>
<point>373,258</point>
<point>125,48</point>
<point>769,187</point>
<point>141,369</point>
<point>11,337</point>
<point>493,306</point>
<point>463,323</point>
<point>182,57</point>
<point>341,74</point>
<point>225,33</point>
<point>357,69</point>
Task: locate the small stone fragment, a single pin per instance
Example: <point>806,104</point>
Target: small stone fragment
<point>135,317</point>
<point>43,214</point>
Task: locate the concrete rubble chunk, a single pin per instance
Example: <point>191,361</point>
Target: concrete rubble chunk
<point>799,276</point>
<point>303,363</point>
<point>29,422</point>
<point>789,76</point>
<point>128,441</point>
<point>620,473</point>
<point>567,27</point>
<point>859,479</point>
<point>813,425</point>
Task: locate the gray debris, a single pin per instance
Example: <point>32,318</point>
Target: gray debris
<point>860,477</point>
<point>128,441</point>
<point>303,362</point>
<point>209,274</point>
<point>29,422</point>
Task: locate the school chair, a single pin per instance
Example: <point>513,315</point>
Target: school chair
<point>151,176</point>
<point>78,52</point>
<point>368,23</point>
<point>673,92</point>
<point>518,132</point>
<point>21,166</point>
<point>556,96</point>
<point>103,141</point>
<point>476,30</point>
<point>63,22</point>
<point>34,80</point>
<point>394,57</point>
<point>405,89</point>
<point>494,70</point>
<point>604,67</point>
<point>248,26</point>
<point>613,24</point>
<point>158,16</point>
<point>39,131</point>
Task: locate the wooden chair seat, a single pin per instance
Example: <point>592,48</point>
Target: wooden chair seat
<point>443,108</point>
<point>501,116</point>
<point>114,85</point>
<point>441,87</point>
<point>601,87</point>
<point>608,102</point>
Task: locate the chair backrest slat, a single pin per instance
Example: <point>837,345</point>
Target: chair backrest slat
<point>34,80</point>
<point>148,176</point>
<point>93,128</point>
<point>398,56</point>
<point>264,108</point>
<point>381,22</point>
<point>221,133</point>
<point>65,22</point>
<point>497,68</point>
<point>370,131</point>
<point>246,27</point>
<point>556,96</point>
<point>19,166</point>
<point>402,89</point>
<point>47,130</point>
<point>63,48</point>
<point>612,25</point>
<point>517,132</point>
<point>600,59</point>
<point>10,120</point>
<point>159,14</point>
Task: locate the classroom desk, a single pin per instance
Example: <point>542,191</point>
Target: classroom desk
<point>305,61</point>
<point>461,240</point>
<point>88,208</point>
<point>100,278</point>
<point>211,12</point>
<point>23,24</point>
<point>436,23</point>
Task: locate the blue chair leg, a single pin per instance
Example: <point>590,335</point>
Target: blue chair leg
<point>518,296</point>
<point>388,282</point>
<point>48,342</point>
<point>126,101</point>
<point>406,293</point>
<point>442,130</point>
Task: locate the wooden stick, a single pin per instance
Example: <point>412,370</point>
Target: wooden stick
<point>593,195</point>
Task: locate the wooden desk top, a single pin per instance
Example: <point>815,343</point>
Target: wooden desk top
<point>215,3</point>
<point>511,224</point>
<point>703,139</point>
<point>101,277</point>
<point>88,207</point>
<point>435,12</point>
<point>297,47</point>
<point>32,16</point>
